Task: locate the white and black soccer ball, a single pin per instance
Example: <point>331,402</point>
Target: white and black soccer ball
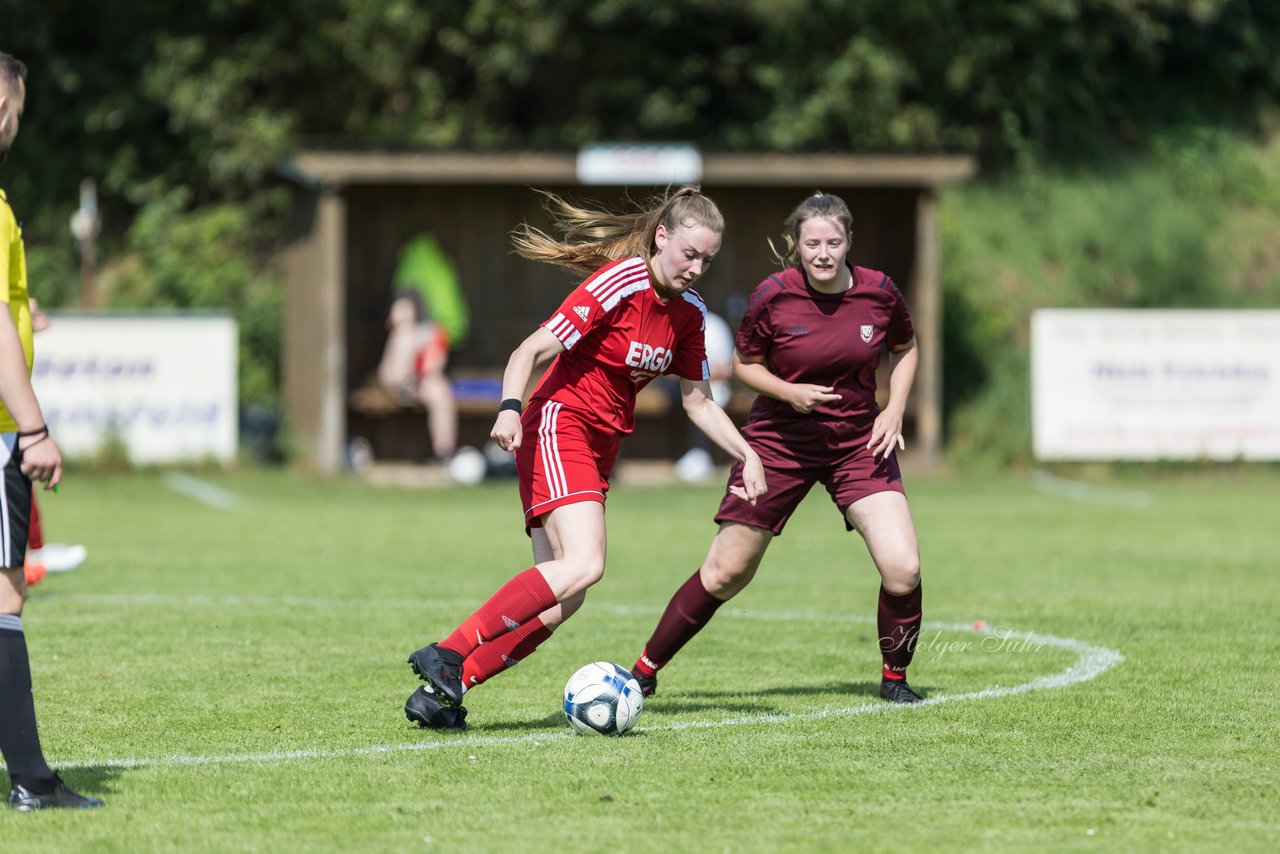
<point>466,467</point>
<point>602,699</point>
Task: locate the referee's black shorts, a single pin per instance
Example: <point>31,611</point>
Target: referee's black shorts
<point>15,505</point>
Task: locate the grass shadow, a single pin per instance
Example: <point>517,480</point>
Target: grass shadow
<point>681,703</point>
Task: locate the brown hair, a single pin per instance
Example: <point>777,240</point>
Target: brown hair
<point>11,70</point>
<point>593,238</point>
<point>820,204</point>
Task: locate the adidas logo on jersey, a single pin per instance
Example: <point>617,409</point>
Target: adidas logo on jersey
<point>581,310</point>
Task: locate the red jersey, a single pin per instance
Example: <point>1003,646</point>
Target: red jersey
<point>806,336</point>
<point>618,336</point>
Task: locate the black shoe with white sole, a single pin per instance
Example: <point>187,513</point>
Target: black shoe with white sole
<point>425,709</point>
<point>60,796</point>
<point>441,669</point>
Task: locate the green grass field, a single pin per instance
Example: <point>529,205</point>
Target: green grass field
<point>234,678</point>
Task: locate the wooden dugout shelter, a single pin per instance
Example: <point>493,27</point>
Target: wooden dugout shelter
<point>354,210</point>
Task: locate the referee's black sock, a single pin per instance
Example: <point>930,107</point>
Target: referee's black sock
<point>19,741</point>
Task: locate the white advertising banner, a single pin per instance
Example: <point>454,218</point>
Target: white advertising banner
<point>1176,384</point>
<point>624,164</point>
<point>164,383</point>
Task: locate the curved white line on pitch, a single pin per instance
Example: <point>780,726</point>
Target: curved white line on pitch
<point>1091,662</point>
<point>1088,493</point>
<point>201,490</point>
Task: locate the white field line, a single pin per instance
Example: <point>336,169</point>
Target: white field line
<point>1091,662</point>
<point>201,490</point>
<point>1088,493</point>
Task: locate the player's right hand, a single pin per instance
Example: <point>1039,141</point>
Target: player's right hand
<point>506,430</point>
<point>805,397</point>
<point>42,461</point>
<point>753,485</point>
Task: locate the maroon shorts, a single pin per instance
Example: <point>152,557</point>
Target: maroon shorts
<point>560,460</point>
<point>798,454</point>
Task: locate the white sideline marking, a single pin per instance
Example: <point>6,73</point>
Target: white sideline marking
<point>1087,493</point>
<point>201,490</point>
<point>1091,662</point>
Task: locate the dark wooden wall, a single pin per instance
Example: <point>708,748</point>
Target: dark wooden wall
<point>509,296</point>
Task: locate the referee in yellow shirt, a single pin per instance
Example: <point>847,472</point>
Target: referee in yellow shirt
<point>29,454</point>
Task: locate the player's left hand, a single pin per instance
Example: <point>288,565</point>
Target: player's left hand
<point>753,485</point>
<point>885,433</point>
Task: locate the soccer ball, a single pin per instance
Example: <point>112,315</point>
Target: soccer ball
<point>466,467</point>
<point>602,699</point>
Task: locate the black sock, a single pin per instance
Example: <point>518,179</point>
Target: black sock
<point>19,741</point>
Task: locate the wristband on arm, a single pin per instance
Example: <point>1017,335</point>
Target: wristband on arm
<point>511,403</point>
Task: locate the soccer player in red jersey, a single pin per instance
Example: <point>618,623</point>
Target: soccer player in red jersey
<point>634,318</point>
<point>809,344</point>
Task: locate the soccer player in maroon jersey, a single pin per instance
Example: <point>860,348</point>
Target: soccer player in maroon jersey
<point>634,318</point>
<point>809,344</point>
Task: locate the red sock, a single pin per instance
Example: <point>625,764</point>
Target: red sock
<point>898,619</point>
<point>523,597</point>
<point>506,652</point>
<point>35,534</point>
<point>688,611</point>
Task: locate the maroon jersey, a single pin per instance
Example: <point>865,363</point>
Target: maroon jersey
<point>806,336</point>
<point>618,336</point>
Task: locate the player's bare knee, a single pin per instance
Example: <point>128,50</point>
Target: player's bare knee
<point>903,576</point>
<point>725,577</point>
<point>587,572</point>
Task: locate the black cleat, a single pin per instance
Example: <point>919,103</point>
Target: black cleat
<point>441,669</point>
<point>898,691</point>
<point>425,709</point>
<point>648,684</point>
<point>23,799</point>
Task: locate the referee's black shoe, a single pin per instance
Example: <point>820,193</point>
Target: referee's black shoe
<point>425,709</point>
<point>898,691</point>
<point>60,796</point>
<point>441,669</point>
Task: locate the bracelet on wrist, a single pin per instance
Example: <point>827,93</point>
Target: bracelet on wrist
<point>511,403</point>
<point>42,430</point>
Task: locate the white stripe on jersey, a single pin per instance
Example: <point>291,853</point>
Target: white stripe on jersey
<point>625,292</point>
<point>693,298</point>
<point>561,327</point>
<point>624,279</point>
<point>550,448</point>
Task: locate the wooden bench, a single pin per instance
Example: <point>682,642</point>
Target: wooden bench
<point>479,393</point>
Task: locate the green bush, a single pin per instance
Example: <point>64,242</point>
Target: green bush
<point>1191,225</point>
<point>206,258</point>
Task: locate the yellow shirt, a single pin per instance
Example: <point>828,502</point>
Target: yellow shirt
<point>13,261</point>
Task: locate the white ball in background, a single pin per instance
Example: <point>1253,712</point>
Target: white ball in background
<point>696,466</point>
<point>466,467</point>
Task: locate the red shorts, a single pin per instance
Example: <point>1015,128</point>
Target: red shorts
<point>560,460</point>
<point>796,456</point>
<point>434,353</point>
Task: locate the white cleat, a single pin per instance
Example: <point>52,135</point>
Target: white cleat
<point>58,557</point>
